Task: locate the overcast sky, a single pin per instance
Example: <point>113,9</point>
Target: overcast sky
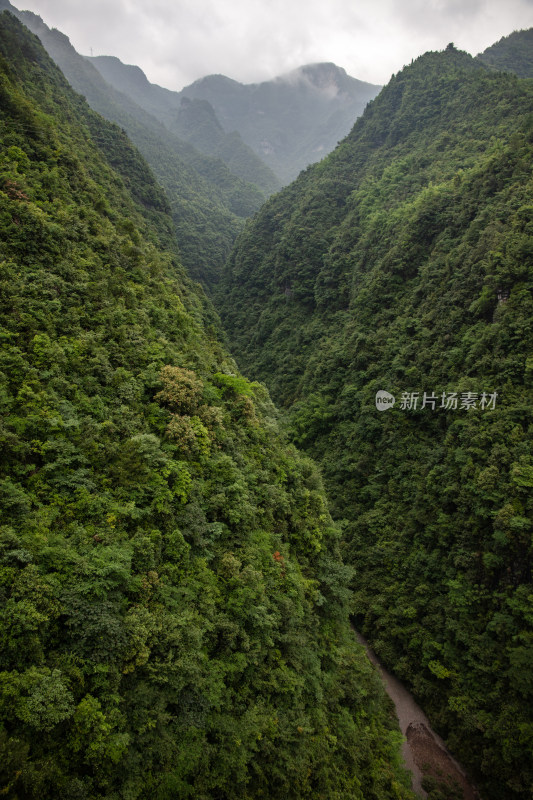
<point>177,41</point>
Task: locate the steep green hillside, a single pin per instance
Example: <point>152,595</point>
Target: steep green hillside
<point>403,263</point>
<point>208,202</point>
<point>512,53</point>
<point>173,617</point>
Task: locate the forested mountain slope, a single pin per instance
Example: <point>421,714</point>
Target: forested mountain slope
<point>173,606</point>
<point>403,263</point>
<point>512,53</point>
<point>208,201</point>
<point>195,122</point>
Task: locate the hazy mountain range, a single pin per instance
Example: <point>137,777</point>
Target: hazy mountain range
<point>225,176</point>
<point>289,122</point>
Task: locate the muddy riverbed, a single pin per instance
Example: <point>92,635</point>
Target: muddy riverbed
<point>424,752</point>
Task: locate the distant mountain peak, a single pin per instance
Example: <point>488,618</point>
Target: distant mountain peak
<point>326,78</point>
<point>316,73</point>
<point>214,81</point>
<point>130,74</point>
<point>290,120</point>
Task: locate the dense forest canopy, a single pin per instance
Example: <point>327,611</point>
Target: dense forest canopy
<point>173,607</point>
<point>175,586</point>
<point>403,263</point>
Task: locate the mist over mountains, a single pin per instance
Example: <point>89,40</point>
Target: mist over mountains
<point>289,122</point>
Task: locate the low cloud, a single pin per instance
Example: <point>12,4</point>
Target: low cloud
<point>178,41</point>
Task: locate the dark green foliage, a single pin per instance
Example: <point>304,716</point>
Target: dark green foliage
<point>403,262</point>
<point>173,607</point>
<point>512,53</point>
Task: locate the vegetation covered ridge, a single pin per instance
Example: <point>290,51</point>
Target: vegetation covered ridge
<point>513,53</point>
<point>208,202</point>
<point>403,263</point>
<point>173,616</point>
<point>194,121</point>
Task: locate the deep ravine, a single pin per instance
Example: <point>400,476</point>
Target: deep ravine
<point>424,752</point>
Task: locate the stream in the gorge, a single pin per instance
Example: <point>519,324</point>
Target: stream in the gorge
<point>424,752</point>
